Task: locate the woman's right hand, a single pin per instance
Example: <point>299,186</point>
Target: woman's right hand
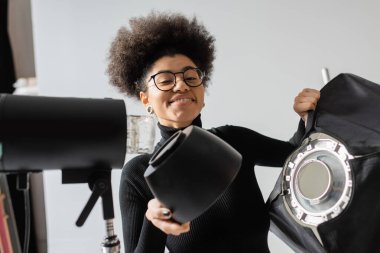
<point>161,216</point>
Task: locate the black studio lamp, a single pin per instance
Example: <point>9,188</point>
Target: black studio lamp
<point>85,138</point>
<point>191,170</point>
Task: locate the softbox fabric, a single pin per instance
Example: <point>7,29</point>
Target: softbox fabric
<point>348,110</point>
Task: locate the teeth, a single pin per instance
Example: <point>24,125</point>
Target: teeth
<point>182,100</point>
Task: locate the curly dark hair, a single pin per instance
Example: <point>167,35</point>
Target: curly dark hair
<point>134,50</point>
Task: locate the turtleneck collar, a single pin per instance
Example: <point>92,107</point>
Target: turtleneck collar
<point>166,132</point>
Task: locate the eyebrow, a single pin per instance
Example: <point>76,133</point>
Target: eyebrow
<point>183,69</point>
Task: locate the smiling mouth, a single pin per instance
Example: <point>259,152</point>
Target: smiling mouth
<point>182,100</point>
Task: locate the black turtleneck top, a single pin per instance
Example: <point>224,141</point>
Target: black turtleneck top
<point>237,222</point>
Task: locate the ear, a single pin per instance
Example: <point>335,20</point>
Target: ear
<point>144,98</point>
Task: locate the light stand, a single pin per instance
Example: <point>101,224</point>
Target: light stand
<point>100,185</point>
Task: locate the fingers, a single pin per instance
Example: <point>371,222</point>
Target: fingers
<point>160,217</point>
<point>156,210</point>
<point>308,92</point>
<point>308,95</point>
<point>170,227</point>
<point>303,108</point>
<point>306,100</point>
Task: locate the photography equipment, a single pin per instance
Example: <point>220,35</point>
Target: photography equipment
<point>43,133</point>
<point>327,198</point>
<point>85,138</point>
<point>191,170</point>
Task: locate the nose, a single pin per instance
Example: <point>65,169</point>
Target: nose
<point>180,85</point>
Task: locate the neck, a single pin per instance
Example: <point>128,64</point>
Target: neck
<point>176,125</point>
<point>167,131</point>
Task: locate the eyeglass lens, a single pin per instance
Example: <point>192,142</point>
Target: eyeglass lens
<point>167,80</point>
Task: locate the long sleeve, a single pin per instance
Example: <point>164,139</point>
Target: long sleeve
<point>258,149</point>
<point>139,234</point>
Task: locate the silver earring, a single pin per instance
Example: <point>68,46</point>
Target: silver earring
<point>149,109</point>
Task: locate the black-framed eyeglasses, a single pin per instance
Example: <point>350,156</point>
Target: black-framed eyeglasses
<point>166,80</point>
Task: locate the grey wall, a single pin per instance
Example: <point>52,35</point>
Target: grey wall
<point>267,51</point>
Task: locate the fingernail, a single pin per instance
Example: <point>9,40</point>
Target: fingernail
<point>166,213</point>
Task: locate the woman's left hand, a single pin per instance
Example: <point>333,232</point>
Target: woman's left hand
<point>160,216</point>
<point>305,101</point>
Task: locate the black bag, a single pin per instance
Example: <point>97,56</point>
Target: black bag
<point>341,149</point>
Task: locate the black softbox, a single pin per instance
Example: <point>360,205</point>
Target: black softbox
<point>344,215</point>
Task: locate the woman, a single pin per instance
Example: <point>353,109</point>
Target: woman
<point>165,61</point>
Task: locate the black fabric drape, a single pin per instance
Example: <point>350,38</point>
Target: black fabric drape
<point>7,71</point>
